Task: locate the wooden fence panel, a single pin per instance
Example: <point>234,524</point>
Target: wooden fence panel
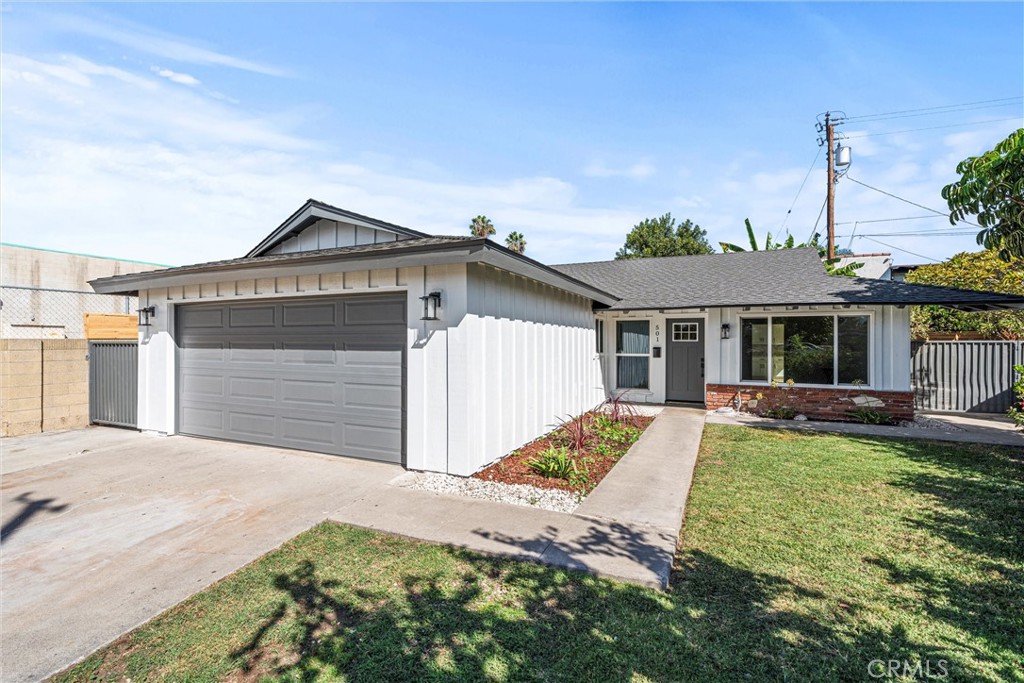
<point>106,326</point>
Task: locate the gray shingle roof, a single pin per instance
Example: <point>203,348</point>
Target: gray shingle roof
<point>760,278</point>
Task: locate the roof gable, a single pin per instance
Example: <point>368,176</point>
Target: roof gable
<point>316,225</point>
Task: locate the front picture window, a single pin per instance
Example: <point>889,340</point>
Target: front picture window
<point>802,349</point>
<point>808,349</point>
<point>632,346</point>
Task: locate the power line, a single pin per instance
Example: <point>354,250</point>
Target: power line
<point>814,230</point>
<point>886,220</point>
<point>949,125</point>
<point>920,206</point>
<point>941,107</point>
<point>934,113</point>
<point>905,251</point>
<point>953,233</point>
<point>785,219</point>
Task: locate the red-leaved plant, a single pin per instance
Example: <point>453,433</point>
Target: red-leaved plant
<point>575,432</point>
<point>620,411</point>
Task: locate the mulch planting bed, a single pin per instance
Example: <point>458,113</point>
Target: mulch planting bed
<point>605,441</point>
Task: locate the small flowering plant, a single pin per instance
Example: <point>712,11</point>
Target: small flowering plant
<point>1016,411</point>
<point>773,402</point>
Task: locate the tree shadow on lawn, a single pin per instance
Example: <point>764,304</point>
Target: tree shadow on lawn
<point>976,496</point>
<point>496,619</point>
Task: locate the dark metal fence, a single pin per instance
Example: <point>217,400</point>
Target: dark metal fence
<point>964,376</point>
<point>113,383</point>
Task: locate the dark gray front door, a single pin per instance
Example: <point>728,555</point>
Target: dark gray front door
<point>323,374</point>
<point>685,360</point>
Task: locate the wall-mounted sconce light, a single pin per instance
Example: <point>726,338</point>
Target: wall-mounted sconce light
<point>431,302</point>
<point>725,330</point>
<point>145,314</point>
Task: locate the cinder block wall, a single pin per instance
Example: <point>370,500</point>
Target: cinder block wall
<point>44,385</point>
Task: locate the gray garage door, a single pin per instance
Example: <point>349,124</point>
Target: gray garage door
<point>324,375</point>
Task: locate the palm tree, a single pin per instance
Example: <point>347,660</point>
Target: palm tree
<point>516,242</point>
<point>481,226</point>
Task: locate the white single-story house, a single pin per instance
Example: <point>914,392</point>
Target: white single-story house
<point>343,334</point>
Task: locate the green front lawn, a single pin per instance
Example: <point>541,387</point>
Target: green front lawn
<point>805,557</point>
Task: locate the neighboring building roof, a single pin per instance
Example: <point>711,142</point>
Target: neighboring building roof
<point>312,211</point>
<point>401,253</point>
<point>36,268</point>
<point>874,266</point>
<point>760,278</point>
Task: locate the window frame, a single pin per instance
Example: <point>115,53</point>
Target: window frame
<point>599,334</point>
<point>633,355</point>
<point>691,327</point>
<point>835,315</point>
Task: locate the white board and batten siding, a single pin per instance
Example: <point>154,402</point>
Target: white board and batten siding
<point>328,234</point>
<point>507,358</point>
<point>523,358</point>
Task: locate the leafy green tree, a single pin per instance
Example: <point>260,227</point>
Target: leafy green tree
<point>481,226</point>
<point>981,270</point>
<point>662,237</point>
<point>849,270</point>
<point>991,188</point>
<point>516,242</point>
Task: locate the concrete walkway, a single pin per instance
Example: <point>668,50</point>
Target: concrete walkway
<point>103,529</point>
<point>626,529</point>
<point>991,429</point>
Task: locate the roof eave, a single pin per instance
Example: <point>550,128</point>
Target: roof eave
<point>297,265</point>
<point>971,306</point>
<point>475,250</point>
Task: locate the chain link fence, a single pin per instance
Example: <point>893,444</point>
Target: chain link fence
<point>35,313</point>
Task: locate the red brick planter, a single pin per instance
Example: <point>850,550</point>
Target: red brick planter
<point>815,402</point>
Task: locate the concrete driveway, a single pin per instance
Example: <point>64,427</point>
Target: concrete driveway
<point>105,528</point>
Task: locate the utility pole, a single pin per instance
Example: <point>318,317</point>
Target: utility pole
<point>831,197</point>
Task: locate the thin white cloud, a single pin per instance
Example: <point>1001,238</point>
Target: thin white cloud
<point>175,77</point>
<point>160,170</point>
<point>637,171</point>
<point>148,41</point>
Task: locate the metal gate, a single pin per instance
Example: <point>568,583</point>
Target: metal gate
<point>964,376</point>
<point>113,383</point>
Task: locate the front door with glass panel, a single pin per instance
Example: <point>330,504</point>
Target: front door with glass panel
<point>685,360</point>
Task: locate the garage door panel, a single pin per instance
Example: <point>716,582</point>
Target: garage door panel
<point>252,388</point>
<point>204,385</point>
<point>323,375</point>
<point>314,392</point>
<point>208,419</point>
<point>311,315</point>
<point>365,312</point>
<point>252,316</point>
<point>263,352</point>
<point>362,396</point>
<point>368,438</point>
<point>301,430</point>
<point>309,353</point>
<point>201,318</point>
<point>257,426</point>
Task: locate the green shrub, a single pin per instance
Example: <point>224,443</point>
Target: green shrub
<point>554,463</point>
<point>870,416</point>
<point>782,413</point>
<point>1016,411</point>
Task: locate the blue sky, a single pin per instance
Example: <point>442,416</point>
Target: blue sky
<point>183,133</point>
